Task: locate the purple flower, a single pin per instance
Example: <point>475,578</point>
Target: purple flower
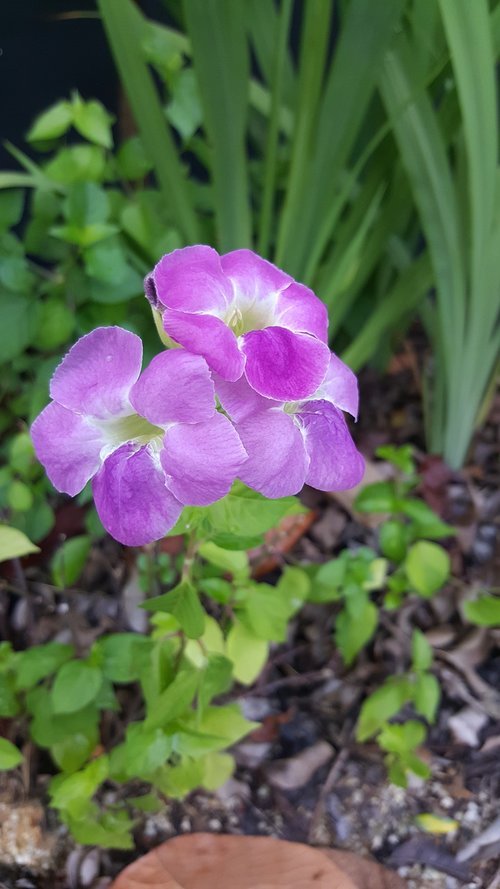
<point>293,443</point>
<point>244,316</point>
<point>151,442</point>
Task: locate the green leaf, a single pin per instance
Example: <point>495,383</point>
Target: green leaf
<point>93,122</point>
<point>72,793</point>
<point>11,208</point>
<point>393,539</point>
<point>18,320</point>
<point>267,612</point>
<point>39,662</point>
<point>110,830</point>
<point>353,632</point>
<point>131,160</point>
<point>421,652</point>
<point>427,566</point>
<point>80,163</point>
<point>175,700</point>
<point>232,561</point>
<point>221,62</point>
<point>247,652</point>
<point>225,723</point>
<point>184,109</point>
<point>328,580</point>
<point>426,522</point>
<point>10,756</point>
<point>125,27</point>
<point>381,705</point>
<point>485,611</point>
<point>218,768</point>
<point>48,728</point>
<point>123,656</point>
<point>51,123</point>
<point>379,497</point>
<point>69,560</point>
<point>14,544</point>
<point>401,738</point>
<point>56,323</point>
<point>71,752</point>
<point>183,602</point>
<point>426,696</point>
<point>145,750</point>
<point>401,457</point>
<point>9,705</point>
<point>75,686</point>
<point>246,513</point>
<point>217,678</point>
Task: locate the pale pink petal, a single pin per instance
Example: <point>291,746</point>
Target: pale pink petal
<point>96,375</point>
<point>201,461</point>
<point>239,400</point>
<point>277,459</point>
<point>132,499</point>
<point>208,336</point>
<point>299,309</point>
<point>189,280</point>
<point>284,365</point>
<point>68,447</point>
<point>340,386</point>
<point>176,387</point>
<point>335,463</point>
<point>254,279</point>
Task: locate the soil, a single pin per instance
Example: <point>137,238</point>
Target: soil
<point>302,776</point>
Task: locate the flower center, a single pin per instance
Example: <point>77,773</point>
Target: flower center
<point>255,315</point>
<point>120,430</point>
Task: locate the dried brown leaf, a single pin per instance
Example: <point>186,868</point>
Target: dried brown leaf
<point>211,861</point>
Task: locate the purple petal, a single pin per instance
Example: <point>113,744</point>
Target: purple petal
<point>208,336</point>
<point>335,464</point>
<point>239,400</point>
<point>299,309</point>
<point>284,365</point>
<point>67,446</point>
<point>176,387</point>
<point>132,499</point>
<point>190,280</point>
<point>340,386</point>
<point>201,461</point>
<point>277,459</point>
<point>96,375</point>
<point>253,278</point>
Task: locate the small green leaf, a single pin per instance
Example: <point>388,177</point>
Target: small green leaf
<point>51,123</point>
<point>72,793</point>
<point>436,824</point>
<point>175,700</point>
<point>216,679</point>
<point>232,561</point>
<point>421,651</point>
<point>123,656</point>
<point>184,604</point>
<point>75,686</point>
<point>9,705</point>
<point>39,662</point>
<point>353,632</point>
<point>426,696</point>
<point>145,750</point>
<point>425,522</point>
<point>131,160</point>
<point>69,560</point>
<point>72,752</point>
<point>484,611</point>
<point>379,497</point>
<point>93,122</point>
<point>14,544</point>
<point>401,457</point>
<point>382,705</point>
<point>10,756</point>
<point>427,567</point>
<point>218,768</point>
<point>393,537</point>
<point>247,652</point>
<point>401,738</point>
<point>19,496</point>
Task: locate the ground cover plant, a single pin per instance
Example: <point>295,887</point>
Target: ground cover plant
<point>193,396</point>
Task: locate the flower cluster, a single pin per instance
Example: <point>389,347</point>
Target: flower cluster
<point>253,393</point>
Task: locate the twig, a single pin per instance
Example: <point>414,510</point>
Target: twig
<point>334,773</point>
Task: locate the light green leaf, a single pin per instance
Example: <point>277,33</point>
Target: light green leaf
<point>39,662</point>
<point>175,700</point>
<point>381,705</point>
<point>10,756</point>
<point>485,611</point>
<point>393,537</point>
<point>14,544</point>
<point>427,566</point>
<point>75,686</point>
<point>51,123</point>
<point>93,122</point>
<point>232,561</point>
<point>421,651</point>
<point>353,632</point>
<point>378,497</point>
<point>426,696</point>
<point>183,602</point>
<point>217,769</point>
<point>123,656</point>
<point>247,652</point>
<point>69,560</point>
